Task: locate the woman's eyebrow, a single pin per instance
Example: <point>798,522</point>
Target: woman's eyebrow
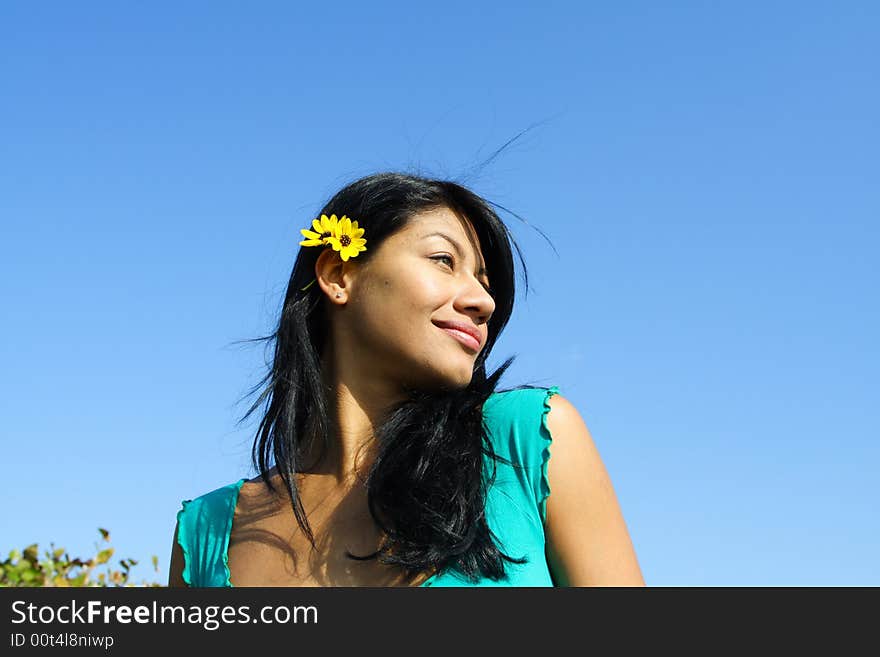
<point>456,246</point>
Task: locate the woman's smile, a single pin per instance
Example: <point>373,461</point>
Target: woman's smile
<point>467,340</point>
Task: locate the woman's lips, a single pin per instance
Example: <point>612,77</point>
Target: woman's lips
<point>465,339</point>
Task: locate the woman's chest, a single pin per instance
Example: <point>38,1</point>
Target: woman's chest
<point>268,547</point>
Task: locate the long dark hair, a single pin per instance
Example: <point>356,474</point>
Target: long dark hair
<point>427,486</point>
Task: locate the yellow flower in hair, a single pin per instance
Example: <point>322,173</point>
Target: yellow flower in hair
<point>325,227</point>
<point>346,238</point>
<point>342,234</point>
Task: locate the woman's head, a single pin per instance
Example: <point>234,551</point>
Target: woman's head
<point>435,253</point>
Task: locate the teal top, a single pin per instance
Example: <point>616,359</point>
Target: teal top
<point>516,423</point>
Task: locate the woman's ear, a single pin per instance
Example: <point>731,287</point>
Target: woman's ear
<point>335,276</point>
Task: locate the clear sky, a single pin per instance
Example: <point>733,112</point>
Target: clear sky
<point>707,174</point>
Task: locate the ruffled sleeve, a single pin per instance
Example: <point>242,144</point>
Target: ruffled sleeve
<point>185,538</point>
<point>516,421</point>
<point>545,439</point>
<point>203,528</point>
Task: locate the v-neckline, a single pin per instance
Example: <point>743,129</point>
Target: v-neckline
<point>233,504</point>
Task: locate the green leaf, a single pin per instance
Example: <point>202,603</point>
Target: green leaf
<point>104,533</point>
<point>31,553</point>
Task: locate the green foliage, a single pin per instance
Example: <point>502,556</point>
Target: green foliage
<point>56,568</point>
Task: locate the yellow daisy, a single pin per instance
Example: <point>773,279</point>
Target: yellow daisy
<point>346,238</point>
<point>324,229</point>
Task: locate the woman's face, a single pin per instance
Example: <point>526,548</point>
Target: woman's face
<point>387,324</point>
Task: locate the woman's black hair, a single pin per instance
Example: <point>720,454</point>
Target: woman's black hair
<point>427,487</point>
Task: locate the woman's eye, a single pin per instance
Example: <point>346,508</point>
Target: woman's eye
<point>451,262</point>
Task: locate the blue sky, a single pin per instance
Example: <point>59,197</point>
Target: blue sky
<point>707,175</point>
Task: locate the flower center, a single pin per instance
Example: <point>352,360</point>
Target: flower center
<point>345,240</point>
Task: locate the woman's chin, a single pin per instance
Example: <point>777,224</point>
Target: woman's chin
<point>459,379</point>
<point>450,381</point>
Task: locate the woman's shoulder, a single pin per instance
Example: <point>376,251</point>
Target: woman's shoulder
<point>516,422</point>
<point>518,413</point>
<point>518,399</point>
<point>218,494</point>
<point>216,503</point>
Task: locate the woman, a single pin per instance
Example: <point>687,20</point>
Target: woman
<point>386,456</point>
